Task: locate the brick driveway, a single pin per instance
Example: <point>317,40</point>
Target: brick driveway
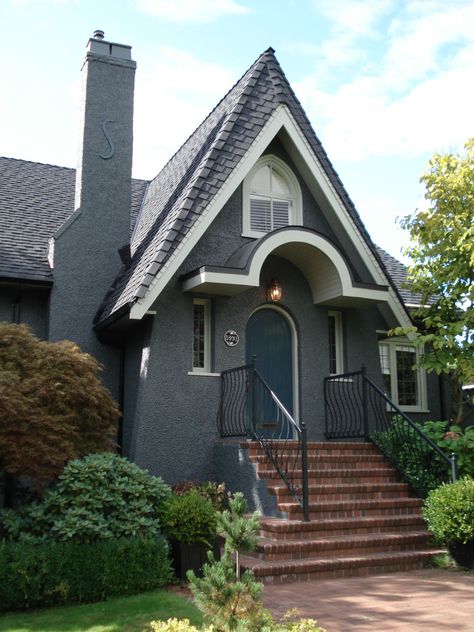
<point>418,601</point>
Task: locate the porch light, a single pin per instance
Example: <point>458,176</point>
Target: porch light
<point>274,291</point>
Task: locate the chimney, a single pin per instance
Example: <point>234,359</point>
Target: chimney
<point>103,179</point>
<point>86,257</point>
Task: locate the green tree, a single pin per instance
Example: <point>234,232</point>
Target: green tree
<point>53,406</point>
<point>442,272</point>
<point>230,600</point>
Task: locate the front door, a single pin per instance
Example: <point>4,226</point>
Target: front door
<point>269,338</point>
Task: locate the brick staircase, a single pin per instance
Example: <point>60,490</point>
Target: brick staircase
<point>363,521</point>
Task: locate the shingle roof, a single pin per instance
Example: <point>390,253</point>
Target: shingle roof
<point>181,191</point>
<point>35,200</point>
<point>398,274</point>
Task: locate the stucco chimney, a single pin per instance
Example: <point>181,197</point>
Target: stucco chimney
<point>86,257</point>
<point>105,148</point>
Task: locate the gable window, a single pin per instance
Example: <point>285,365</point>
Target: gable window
<point>335,343</point>
<point>201,335</point>
<point>272,198</point>
<point>403,384</point>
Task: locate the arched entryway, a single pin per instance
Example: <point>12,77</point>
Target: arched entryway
<point>271,337</point>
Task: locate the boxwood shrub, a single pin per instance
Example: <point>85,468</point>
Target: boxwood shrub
<point>52,573</point>
<point>189,518</point>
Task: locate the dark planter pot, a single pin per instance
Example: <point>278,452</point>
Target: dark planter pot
<point>463,553</point>
<point>191,556</point>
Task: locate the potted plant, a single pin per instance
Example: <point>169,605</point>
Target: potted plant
<point>449,512</point>
<point>189,520</point>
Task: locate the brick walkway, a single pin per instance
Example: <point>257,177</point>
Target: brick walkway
<point>418,601</point>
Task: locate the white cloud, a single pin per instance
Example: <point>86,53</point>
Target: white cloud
<point>417,99</point>
<point>354,18</point>
<point>196,11</point>
<point>176,93</point>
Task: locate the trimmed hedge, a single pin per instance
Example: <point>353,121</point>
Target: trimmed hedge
<point>57,573</point>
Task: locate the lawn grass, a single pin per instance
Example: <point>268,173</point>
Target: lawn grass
<point>124,614</point>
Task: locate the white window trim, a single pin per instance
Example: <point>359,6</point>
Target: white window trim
<point>339,341</point>
<point>422,405</point>
<point>295,209</point>
<point>206,369</point>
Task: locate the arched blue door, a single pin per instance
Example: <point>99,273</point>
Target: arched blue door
<point>269,338</point>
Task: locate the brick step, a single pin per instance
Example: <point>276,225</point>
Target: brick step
<point>324,461</point>
<point>278,529</point>
<point>355,491</point>
<point>350,566</point>
<point>340,546</point>
<point>354,508</point>
<point>384,474</point>
<point>335,448</point>
<point>255,454</point>
<point>321,472</point>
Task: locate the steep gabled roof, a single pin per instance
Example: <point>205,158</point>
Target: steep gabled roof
<point>35,200</point>
<point>177,197</point>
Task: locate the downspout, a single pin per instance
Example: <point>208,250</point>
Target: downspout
<point>121,398</point>
<point>16,307</point>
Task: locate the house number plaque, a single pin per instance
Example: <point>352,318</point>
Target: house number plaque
<point>231,338</point>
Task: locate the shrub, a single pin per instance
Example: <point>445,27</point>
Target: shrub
<point>214,492</point>
<point>267,625</point>
<point>452,438</point>
<point>228,600</point>
<point>419,465</point>
<point>53,406</point>
<point>189,518</point>
<point>99,497</point>
<point>54,573</point>
<point>449,512</point>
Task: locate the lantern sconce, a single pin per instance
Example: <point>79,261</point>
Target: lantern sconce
<point>274,291</point>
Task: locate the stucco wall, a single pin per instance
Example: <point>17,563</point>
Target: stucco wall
<point>32,307</point>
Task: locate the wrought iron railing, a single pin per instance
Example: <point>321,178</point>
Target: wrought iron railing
<point>357,408</point>
<point>250,408</point>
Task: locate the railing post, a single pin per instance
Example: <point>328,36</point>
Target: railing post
<point>254,396</point>
<point>365,402</point>
<point>454,467</point>
<point>304,468</point>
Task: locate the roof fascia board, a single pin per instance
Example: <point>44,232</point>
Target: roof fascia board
<point>281,118</point>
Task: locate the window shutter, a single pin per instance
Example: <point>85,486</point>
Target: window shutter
<point>281,213</point>
<point>260,215</point>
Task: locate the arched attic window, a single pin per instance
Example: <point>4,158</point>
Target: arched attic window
<point>272,198</point>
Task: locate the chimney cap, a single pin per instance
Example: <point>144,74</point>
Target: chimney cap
<point>98,34</point>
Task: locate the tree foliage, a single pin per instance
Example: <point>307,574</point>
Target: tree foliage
<point>442,272</point>
<point>227,599</point>
<point>53,407</point>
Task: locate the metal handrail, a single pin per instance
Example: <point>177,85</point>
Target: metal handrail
<point>356,407</point>
<point>249,407</point>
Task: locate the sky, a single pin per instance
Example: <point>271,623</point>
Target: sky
<point>385,83</point>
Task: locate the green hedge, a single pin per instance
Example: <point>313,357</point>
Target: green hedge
<point>55,573</point>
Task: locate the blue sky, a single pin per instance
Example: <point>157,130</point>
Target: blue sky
<point>386,83</point>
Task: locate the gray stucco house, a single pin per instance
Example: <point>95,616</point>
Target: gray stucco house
<point>245,244</point>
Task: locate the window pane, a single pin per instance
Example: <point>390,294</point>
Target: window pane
<point>332,345</point>
<point>261,182</point>
<point>199,328</point>
<point>260,215</point>
<point>281,213</point>
<point>406,376</point>
<point>279,184</point>
<point>384,352</point>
